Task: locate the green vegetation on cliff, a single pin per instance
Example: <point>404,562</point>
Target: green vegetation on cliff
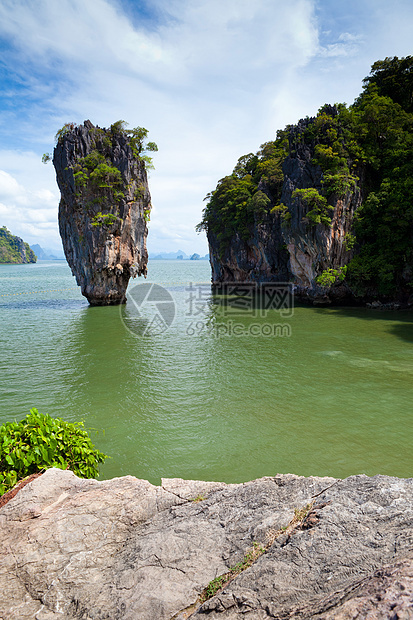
<point>137,139</point>
<point>98,181</point>
<point>369,143</point>
<point>13,249</point>
<point>238,201</point>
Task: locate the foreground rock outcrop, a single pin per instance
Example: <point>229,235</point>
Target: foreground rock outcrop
<point>125,549</point>
<point>104,208</point>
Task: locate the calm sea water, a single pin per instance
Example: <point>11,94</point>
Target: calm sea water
<point>332,398</point>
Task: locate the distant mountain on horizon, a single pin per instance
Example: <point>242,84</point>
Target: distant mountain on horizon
<point>179,255</point>
<point>46,253</point>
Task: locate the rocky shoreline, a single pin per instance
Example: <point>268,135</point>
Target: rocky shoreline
<point>126,549</point>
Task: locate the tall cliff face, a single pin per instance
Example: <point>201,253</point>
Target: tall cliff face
<point>301,234</point>
<point>104,207</point>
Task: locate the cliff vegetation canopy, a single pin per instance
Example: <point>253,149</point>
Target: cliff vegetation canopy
<point>369,143</point>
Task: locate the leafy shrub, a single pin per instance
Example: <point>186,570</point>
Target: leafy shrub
<point>328,159</point>
<point>39,442</point>
<point>106,176</point>
<point>67,128</point>
<point>331,276</point>
<point>283,211</point>
<point>259,202</point>
<point>137,140</point>
<point>81,178</point>
<point>104,219</point>
<point>338,184</point>
<point>317,205</point>
<point>349,241</point>
<point>93,160</point>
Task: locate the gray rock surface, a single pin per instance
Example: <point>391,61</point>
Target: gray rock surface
<point>103,212</point>
<point>125,549</point>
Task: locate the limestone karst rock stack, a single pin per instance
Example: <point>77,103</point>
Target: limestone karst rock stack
<point>325,206</point>
<point>283,243</point>
<point>104,207</point>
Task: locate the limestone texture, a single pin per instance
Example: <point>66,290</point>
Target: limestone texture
<point>297,252</point>
<point>103,212</point>
<point>125,549</point>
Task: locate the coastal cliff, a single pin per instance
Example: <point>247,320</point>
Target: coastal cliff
<point>325,206</point>
<point>104,208</point>
<point>13,249</point>
<point>301,235</point>
<point>278,547</point>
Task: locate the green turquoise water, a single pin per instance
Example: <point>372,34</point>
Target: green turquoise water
<point>332,398</point>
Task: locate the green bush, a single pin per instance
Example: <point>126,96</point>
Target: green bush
<point>330,276</point>
<point>317,205</point>
<point>104,219</point>
<point>284,213</point>
<point>106,176</point>
<point>39,442</point>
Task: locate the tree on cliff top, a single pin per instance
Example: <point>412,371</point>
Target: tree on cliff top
<point>137,139</point>
<point>393,78</point>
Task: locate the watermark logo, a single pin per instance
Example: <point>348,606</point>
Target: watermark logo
<point>236,329</point>
<point>255,299</point>
<point>150,310</point>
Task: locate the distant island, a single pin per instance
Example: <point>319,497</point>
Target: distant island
<point>179,255</point>
<point>14,250</point>
<point>46,254</point>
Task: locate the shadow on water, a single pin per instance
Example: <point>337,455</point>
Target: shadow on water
<point>399,322</point>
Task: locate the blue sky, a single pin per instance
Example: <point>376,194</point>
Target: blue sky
<point>210,79</point>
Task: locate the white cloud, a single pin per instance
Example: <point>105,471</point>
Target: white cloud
<point>345,45</point>
<point>211,81</point>
<point>28,207</point>
<point>201,82</point>
<point>8,186</point>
